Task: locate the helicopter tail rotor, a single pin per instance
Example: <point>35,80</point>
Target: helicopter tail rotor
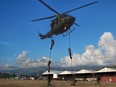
<point>41,36</point>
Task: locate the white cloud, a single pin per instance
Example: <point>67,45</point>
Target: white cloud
<point>26,62</point>
<point>105,54</point>
<point>23,61</point>
<point>22,55</point>
<point>108,44</point>
<point>37,63</point>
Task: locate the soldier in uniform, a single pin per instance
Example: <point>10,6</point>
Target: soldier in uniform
<point>98,81</point>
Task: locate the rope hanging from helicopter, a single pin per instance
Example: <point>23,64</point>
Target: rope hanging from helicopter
<point>69,49</point>
<point>70,55</point>
<point>50,80</point>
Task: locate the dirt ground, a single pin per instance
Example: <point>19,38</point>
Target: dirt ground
<point>56,83</point>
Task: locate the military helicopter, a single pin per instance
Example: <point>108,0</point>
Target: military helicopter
<point>62,21</point>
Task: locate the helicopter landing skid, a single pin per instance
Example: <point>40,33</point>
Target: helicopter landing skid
<point>68,32</point>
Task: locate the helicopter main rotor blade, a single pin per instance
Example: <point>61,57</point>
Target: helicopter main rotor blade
<point>44,18</point>
<point>49,7</point>
<point>81,7</point>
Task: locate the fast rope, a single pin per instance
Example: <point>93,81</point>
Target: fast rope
<point>70,55</point>
<point>50,81</point>
<point>69,51</point>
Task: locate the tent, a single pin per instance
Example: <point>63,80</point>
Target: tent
<point>65,73</point>
<point>83,71</point>
<point>52,72</point>
<point>106,70</point>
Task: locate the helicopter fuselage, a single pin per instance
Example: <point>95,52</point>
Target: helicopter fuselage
<point>59,25</point>
<point>62,24</point>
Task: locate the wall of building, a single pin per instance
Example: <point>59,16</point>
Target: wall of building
<point>108,79</point>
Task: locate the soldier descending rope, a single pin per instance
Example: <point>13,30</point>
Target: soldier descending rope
<point>49,77</point>
<point>69,52</point>
<point>73,78</point>
<point>49,63</point>
<point>98,81</point>
<point>52,44</point>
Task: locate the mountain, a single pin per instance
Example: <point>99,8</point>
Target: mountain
<point>26,71</point>
<point>38,71</point>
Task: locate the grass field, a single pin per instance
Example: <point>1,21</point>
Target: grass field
<point>43,83</point>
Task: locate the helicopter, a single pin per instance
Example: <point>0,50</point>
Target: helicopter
<point>61,22</point>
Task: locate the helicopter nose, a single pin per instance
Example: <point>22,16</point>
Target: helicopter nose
<point>73,19</point>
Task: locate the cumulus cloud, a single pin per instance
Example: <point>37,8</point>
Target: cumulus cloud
<point>23,61</point>
<point>36,63</point>
<point>104,54</point>
<point>107,44</point>
<point>22,55</point>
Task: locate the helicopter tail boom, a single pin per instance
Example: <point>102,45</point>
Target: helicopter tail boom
<point>48,35</point>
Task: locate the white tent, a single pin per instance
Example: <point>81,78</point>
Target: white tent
<point>106,70</point>
<point>83,71</point>
<point>65,73</point>
<point>52,72</point>
<point>46,73</point>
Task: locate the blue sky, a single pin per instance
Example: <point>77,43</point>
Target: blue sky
<point>18,35</point>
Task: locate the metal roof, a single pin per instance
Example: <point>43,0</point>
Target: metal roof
<point>65,72</point>
<point>51,72</point>
<point>106,70</point>
<point>83,71</point>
